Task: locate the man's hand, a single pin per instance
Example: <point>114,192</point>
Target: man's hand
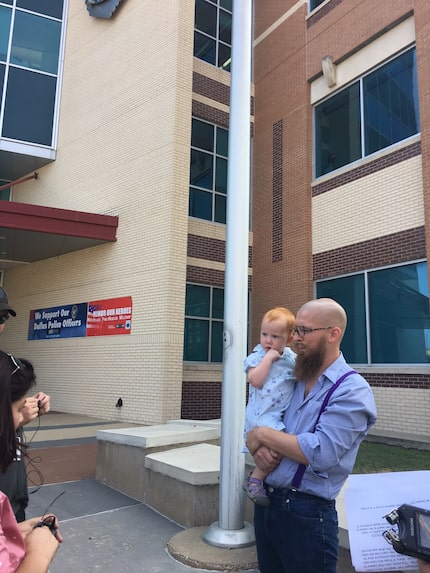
<point>34,406</point>
<point>286,445</point>
<point>266,459</point>
<point>253,440</point>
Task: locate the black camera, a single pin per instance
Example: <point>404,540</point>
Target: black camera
<point>413,531</point>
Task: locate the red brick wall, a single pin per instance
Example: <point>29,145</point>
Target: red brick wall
<point>286,60</point>
<point>389,250</point>
<point>422,27</point>
<point>282,169</point>
<point>413,381</point>
<point>201,400</point>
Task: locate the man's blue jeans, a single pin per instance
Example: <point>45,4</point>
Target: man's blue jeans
<point>296,533</point>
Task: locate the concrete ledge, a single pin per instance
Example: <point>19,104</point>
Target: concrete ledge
<point>216,423</point>
<point>196,465</point>
<point>162,435</point>
<point>404,440</point>
<point>149,464</point>
<point>181,483</point>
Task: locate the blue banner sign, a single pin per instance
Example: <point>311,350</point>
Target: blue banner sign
<point>58,322</point>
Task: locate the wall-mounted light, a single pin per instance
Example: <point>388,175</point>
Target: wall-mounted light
<point>329,71</point>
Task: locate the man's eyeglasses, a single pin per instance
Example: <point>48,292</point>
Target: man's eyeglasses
<point>3,318</point>
<point>17,363</point>
<point>302,330</point>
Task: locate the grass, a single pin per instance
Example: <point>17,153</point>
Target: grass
<point>374,458</point>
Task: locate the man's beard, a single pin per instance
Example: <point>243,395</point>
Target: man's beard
<point>309,364</point>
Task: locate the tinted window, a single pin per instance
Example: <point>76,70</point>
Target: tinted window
<point>337,131</point>
<point>204,311</point>
<point>204,48</point>
<point>350,293</point>
<point>5,14</point>
<point>205,17</point>
<point>398,316</point>
<point>391,103</point>
<point>200,204</point>
<point>52,8</point>
<point>36,42</point>
<point>315,3</point>
<point>196,340</point>
<point>29,109</point>
<point>372,114</point>
<point>212,32</point>
<point>208,171</point>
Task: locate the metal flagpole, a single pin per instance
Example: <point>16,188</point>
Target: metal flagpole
<point>231,530</point>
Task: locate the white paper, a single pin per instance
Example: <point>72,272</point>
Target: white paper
<point>368,498</point>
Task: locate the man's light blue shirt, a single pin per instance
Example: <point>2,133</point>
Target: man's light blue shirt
<point>332,448</point>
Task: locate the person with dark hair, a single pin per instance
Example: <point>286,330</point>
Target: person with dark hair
<point>5,309</point>
<point>13,482</point>
<point>30,546</point>
<point>330,413</point>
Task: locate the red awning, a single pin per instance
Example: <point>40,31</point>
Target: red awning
<point>30,233</point>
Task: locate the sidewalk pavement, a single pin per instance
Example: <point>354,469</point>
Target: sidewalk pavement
<point>103,529</point>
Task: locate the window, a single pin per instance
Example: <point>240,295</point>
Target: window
<point>4,193</point>
<point>208,172</point>
<point>314,4</point>
<point>204,313</point>
<point>373,113</point>
<point>396,327</point>
<point>30,43</point>
<point>212,32</point>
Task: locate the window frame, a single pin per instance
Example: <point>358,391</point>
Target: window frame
<point>210,319</point>
<point>361,118</point>
<point>37,147</point>
<point>218,42</point>
<point>215,156</point>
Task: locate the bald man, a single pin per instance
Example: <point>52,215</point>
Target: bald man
<point>310,460</point>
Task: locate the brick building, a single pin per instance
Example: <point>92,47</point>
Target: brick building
<point>122,109</point>
<point>341,183</point>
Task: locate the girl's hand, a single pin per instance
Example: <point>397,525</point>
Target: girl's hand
<point>29,525</point>
<point>40,547</point>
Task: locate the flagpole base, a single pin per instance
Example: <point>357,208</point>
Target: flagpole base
<point>230,538</point>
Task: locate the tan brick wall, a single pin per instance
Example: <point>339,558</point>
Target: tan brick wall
<point>123,150</point>
<point>401,410</point>
<point>342,216</point>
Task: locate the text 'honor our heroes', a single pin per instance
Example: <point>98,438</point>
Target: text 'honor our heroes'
<point>97,318</point>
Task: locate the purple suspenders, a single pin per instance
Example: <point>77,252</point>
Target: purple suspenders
<point>297,479</point>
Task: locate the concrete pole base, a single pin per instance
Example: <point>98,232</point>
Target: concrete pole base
<point>190,548</point>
